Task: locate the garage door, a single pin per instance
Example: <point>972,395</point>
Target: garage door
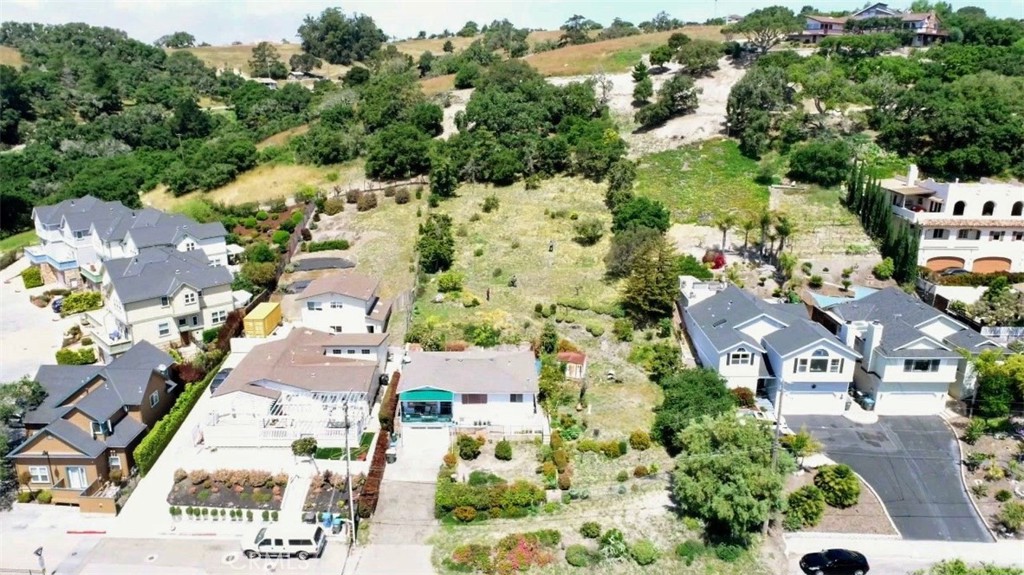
<point>939,264</point>
<point>989,265</point>
<point>910,403</point>
<point>810,403</point>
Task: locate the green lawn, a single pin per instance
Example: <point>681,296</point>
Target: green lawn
<point>335,453</point>
<point>702,181</point>
<point>18,241</point>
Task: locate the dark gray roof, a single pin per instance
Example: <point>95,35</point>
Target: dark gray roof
<point>161,271</point>
<point>799,335</point>
<point>73,207</point>
<point>900,315</point>
<point>171,230</point>
<point>471,372</point>
<point>719,315</point>
<point>125,432</point>
<point>70,434</point>
<point>60,382</point>
<point>102,403</point>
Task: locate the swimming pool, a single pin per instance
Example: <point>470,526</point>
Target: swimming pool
<point>859,292</point>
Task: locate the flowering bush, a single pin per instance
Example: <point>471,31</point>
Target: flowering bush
<point>471,557</point>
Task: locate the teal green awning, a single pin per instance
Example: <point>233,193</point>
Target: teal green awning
<point>427,394</point>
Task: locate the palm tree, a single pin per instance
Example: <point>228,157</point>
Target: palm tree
<point>725,223</point>
<point>784,230</point>
<point>747,225</point>
<point>765,221</point>
<point>771,242</point>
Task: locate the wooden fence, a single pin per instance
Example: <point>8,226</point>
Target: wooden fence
<point>372,186</point>
<point>369,495</point>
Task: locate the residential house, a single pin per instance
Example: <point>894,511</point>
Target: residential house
<point>925,27</point>
<point>308,384</point>
<point>474,390</point>
<point>911,353</point>
<point>773,350</point>
<point>978,226</point>
<point>77,235</point>
<point>162,296</point>
<point>575,364</point>
<point>345,302</point>
<point>92,419</point>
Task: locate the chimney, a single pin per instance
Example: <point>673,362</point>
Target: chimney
<point>912,175</point>
<point>872,339</point>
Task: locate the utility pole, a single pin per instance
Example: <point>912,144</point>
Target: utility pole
<point>348,483</point>
<point>775,445</point>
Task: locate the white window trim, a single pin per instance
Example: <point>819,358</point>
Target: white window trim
<point>114,461</point>
<point>336,305</point>
<point>154,398</point>
<point>190,298</point>
<point>314,306</point>
<point>163,329</point>
<point>39,474</point>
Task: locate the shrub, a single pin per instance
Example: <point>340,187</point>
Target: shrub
<point>402,196</point>
<point>806,507</point>
<point>250,222</point>
<point>548,470</point>
<point>44,497</point>
<point>689,550</point>
<point>306,235</point>
<point>589,231</point>
<point>503,450</point>
<point>547,537</point>
<point>366,202</point>
<point>641,471</point>
<point>622,476</point>
<point>115,476</point>
<point>478,252</point>
<point>595,330</point>
<point>590,530</point>
<point>564,481</point>
<point>744,397</point>
<point>180,475</point>
<point>340,244</point>
<point>884,269</point>
<point>210,335</point>
<point>469,447</point>
<point>464,514</point>
<point>644,552</point>
<point>25,496</point>
<point>623,329</point>
<point>975,429</point>
<point>613,449</point>
<point>80,301</point>
<point>449,281</point>
<point>838,484</point>
<point>352,196</point>
<point>560,458</point>
<point>640,440</point>
<point>262,216</point>
<point>728,553</point>
<point>84,356</point>
<point>471,558</point>
<point>579,556</point>
<point>491,204</point>
<point>334,206</point>
<point>1003,495</point>
<point>613,544</point>
<point>979,490</point>
<point>280,237</point>
<point>815,282</point>
<point>1011,516</point>
<point>32,277</point>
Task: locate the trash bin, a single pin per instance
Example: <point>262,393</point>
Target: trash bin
<point>391,455</point>
<point>869,404</point>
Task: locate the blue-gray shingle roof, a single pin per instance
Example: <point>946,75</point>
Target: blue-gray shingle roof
<point>161,271</point>
<point>798,335</point>
<point>68,433</point>
<point>720,315</point>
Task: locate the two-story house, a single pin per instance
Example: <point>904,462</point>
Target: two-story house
<point>771,349</point>
<point>924,26</point>
<point>911,353</point>
<point>91,420</point>
<point>160,295</point>
<point>492,390</point>
<point>307,384</point>
<point>77,235</point>
<point>978,226</point>
<point>345,302</point>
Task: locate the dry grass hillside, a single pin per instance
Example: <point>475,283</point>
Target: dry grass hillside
<point>237,56</point>
<point>10,57</point>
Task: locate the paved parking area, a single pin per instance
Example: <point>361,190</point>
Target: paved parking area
<point>29,335</point>
<point>63,532</point>
<point>914,465</point>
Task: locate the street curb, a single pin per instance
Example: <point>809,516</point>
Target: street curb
<point>963,479</point>
<point>797,535</point>
<point>885,509</point>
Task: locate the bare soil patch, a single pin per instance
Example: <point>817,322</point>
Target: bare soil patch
<point>997,467</point>
<point>866,517</point>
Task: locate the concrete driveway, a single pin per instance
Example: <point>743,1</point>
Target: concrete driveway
<point>29,335</point>
<point>914,465</point>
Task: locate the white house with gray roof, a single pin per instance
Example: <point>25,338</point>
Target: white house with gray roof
<point>160,295</point>
<point>911,359</point>
<point>487,390</point>
<point>77,235</point>
<point>774,350</point>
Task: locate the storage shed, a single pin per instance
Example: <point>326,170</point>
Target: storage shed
<point>262,320</point>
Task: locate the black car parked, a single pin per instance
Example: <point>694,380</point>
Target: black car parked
<point>834,562</point>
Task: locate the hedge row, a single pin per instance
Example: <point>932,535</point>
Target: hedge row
<point>389,405</point>
<point>157,439</point>
<point>976,280</point>
<point>327,245</point>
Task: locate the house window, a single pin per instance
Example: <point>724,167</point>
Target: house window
<point>921,365</point>
<point>800,366</point>
<point>819,363</point>
<point>996,236</point>
<point>314,306</point>
<point>739,357</point>
<point>958,209</point>
<point>190,298</point>
<point>195,320</point>
<point>835,365</point>
<point>366,352</point>
<point>1018,236</point>
<point>336,351</point>
<point>97,428</point>
<point>939,234</point>
<point>114,461</point>
<point>1017,209</point>
<point>369,329</point>
<point>189,246</point>
<point>219,316</point>
<point>164,329</point>
<point>351,352</point>
<point>182,321</point>
<point>335,305</point>
<point>39,474</point>
<point>988,209</point>
<point>474,398</point>
<point>164,301</point>
<point>968,234</point>
<point>154,398</point>
<point>336,329</point>
<point>515,398</point>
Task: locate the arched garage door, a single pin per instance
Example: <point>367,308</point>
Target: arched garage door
<point>939,264</point>
<point>990,265</point>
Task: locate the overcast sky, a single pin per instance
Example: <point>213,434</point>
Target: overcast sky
<point>224,21</point>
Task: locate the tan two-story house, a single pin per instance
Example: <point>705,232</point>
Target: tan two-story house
<point>92,419</point>
<point>162,296</point>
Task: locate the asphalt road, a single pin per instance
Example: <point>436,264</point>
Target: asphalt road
<point>914,465</point>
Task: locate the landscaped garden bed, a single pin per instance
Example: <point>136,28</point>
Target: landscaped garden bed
<point>228,488</point>
<point>327,492</point>
<point>866,516</point>
<point>993,469</point>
